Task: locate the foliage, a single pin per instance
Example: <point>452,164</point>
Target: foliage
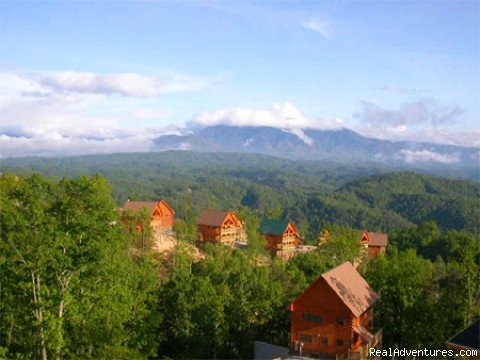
<point>309,193</point>
<point>69,287</point>
<point>72,286</point>
<point>412,289</point>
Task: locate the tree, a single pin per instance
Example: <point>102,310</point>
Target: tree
<point>69,285</point>
<point>404,282</point>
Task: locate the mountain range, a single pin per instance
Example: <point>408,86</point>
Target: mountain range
<point>343,145</point>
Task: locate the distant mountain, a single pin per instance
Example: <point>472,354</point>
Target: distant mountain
<point>332,145</point>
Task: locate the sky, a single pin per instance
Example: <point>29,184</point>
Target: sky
<point>102,76</point>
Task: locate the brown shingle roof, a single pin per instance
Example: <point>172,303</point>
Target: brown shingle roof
<point>212,217</point>
<point>137,205</point>
<point>377,239</point>
<point>352,289</point>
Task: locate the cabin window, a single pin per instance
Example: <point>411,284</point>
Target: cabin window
<point>340,321</point>
<point>312,318</point>
<point>340,342</point>
<point>305,338</point>
<point>324,341</point>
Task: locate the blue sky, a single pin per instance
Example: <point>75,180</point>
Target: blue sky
<point>106,76</point>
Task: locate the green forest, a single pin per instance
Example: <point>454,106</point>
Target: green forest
<point>72,285</point>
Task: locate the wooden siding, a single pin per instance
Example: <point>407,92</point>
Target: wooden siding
<point>375,250</point>
<point>321,300</point>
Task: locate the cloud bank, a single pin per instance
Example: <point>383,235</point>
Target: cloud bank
<point>416,156</point>
<point>420,111</point>
<point>284,116</point>
<point>125,84</point>
<point>70,113</point>
<point>421,121</point>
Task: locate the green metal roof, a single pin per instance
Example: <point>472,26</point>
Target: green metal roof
<point>273,227</point>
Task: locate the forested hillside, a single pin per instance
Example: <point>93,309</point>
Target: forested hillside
<point>72,286</point>
<point>310,193</point>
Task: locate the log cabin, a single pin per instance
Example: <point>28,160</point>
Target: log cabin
<point>221,227</point>
<point>374,242</point>
<point>162,216</point>
<point>333,317</point>
<point>280,236</point>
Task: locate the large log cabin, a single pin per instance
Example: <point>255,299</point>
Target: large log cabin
<point>375,242</point>
<point>280,236</point>
<point>333,317</point>
<point>162,216</point>
<point>221,226</point>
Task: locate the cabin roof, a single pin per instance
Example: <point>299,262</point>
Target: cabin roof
<point>167,206</point>
<point>377,239</point>
<point>273,227</point>
<point>137,205</point>
<point>351,287</point>
<point>212,217</point>
<point>468,337</point>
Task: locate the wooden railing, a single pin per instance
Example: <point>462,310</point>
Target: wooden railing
<point>363,352</point>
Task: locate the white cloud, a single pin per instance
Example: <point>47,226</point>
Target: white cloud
<point>283,116</point>
<point>415,156</point>
<point>40,121</point>
<point>301,135</point>
<point>420,121</point>
<point>39,142</point>
<point>319,25</point>
<point>124,84</point>
<point>56,144</point>
<point>420,111</point>
<point>401,90</point>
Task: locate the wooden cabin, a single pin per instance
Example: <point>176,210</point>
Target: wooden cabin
<point>333,317</point>
<point>280,235</point>
<point>221,226</point>
<point>375,242</point>
<point>162,215</point>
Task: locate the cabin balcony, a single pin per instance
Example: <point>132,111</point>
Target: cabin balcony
<point>233,234</point>
<point>363,352</point>
<point>288,243</point>
<point>286,246</point>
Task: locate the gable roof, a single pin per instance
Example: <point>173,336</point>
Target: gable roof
<point>351,288</point>
<point>467,338</point>
<point>273,227</point>
<point>212,217</point>
<point>166,205</point>
<point>377,239</point>
<point>137,205</point>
